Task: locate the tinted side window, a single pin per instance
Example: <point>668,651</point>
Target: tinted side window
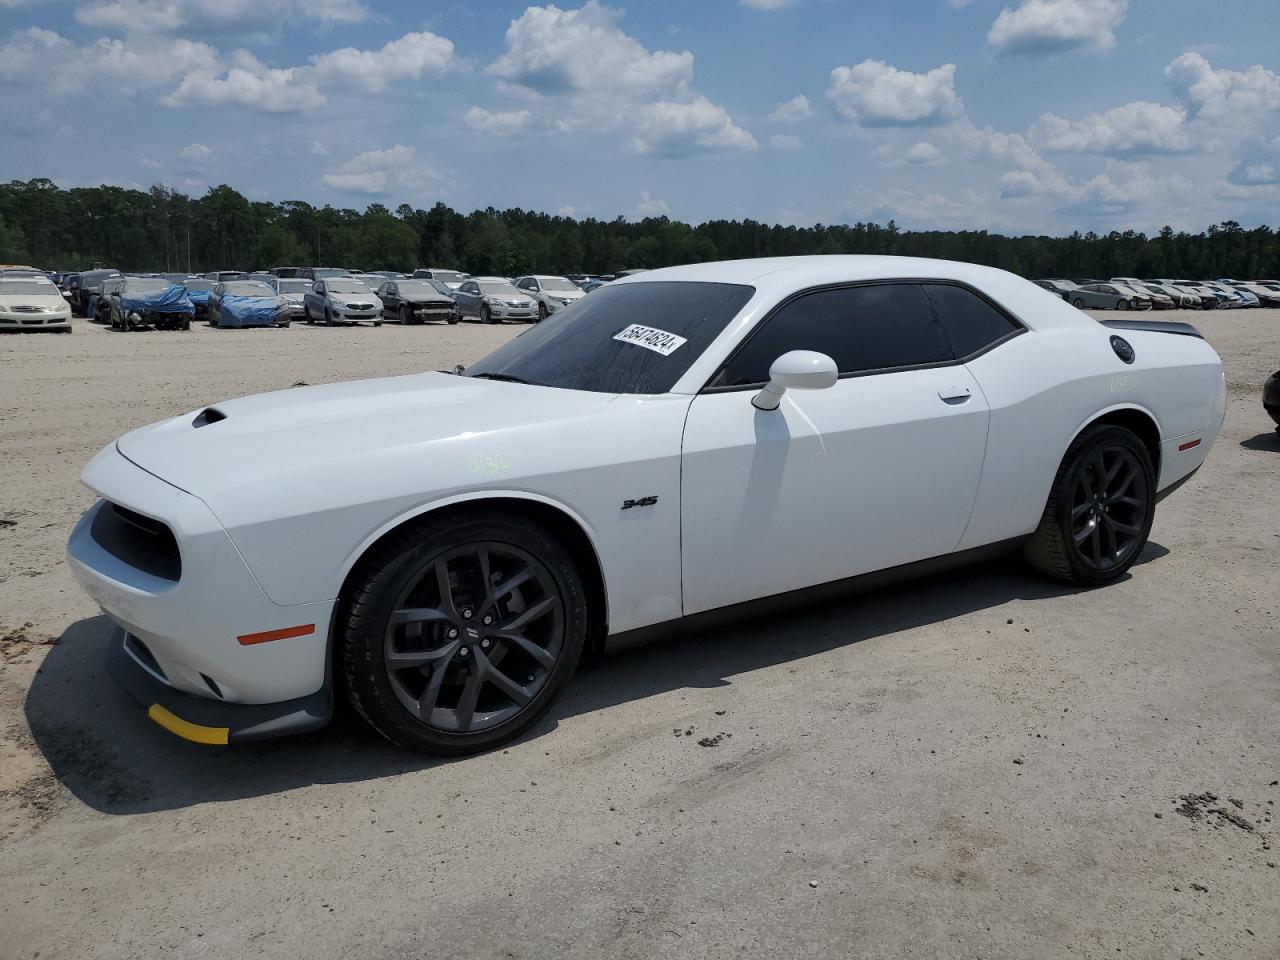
<point>971,323</point>
<point>862,328</point>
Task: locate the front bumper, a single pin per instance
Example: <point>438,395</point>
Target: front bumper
<point>202,622</point>
<point>12,320</point>
<point>202,720</point>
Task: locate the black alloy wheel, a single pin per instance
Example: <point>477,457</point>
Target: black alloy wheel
<point>461,634</point>
<point>406,315</point>
<point>1100,509</point>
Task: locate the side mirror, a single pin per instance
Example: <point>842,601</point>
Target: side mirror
<point>796,370</point>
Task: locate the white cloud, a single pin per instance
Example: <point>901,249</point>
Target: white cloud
<point>406,58</point>
<point>168,16</point>
<point>1048,26</point>
<point>553,51</point>
<point>795,109</point>
<point>1238,95</point>
<point>378,172</point>
<point>875,94</point>
<point>651,206</point>
<point>785,141</point>
<point>511,123</point>
<point>1255,175</point>
<point>578,70</point>
<point>919,154</point>
<point>668,129</point>
<point>1135,129</point>
<point>249,83</point>
<point>35,57</point>
<point>196,153</point>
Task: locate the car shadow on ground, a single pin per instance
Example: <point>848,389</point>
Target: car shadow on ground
<point>102,747</point>
<point>1269,441</point>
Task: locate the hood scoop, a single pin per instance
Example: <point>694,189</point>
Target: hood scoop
<point>207,416</point>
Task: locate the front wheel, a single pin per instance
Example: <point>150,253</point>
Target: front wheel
<point>486,315</point>
<point>459,634</point>
<point>1122,305</point>
<point>542,312</point>
<point>406,315</point>
<point>1100,509</point>
<point>1078,303</point>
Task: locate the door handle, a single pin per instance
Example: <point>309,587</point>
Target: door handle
<point>954,394</point>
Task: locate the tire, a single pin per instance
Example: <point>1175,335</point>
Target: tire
<point>453,321</point>
<point>285,324</point>
<point>542,311</point>
<point>1122,305</point>
<point>377,323</point>
<point>486,315</point>
<point>1078,303</point>
<point>328,317</point>
<point>403,574</point>
<point>406,315</point>
<point>1090,541</point>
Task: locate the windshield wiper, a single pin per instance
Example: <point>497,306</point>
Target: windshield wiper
<point>506,378</point>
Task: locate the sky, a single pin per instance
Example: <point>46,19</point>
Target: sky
<point>1019,116</point>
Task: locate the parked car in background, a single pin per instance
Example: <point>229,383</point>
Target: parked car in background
<point>1100,296</point>
<point>1209,299</point>
<point>32,303</point>
<point>286,271</point>
<point>342,300</point>
<point>494,299</point>
<point>1183,299</point>
<point>291,291</point>
<point>453,278</point>
<point>594,284</point>
<point>222,276</point>
<point>235,288</point>
<point>198,291</point>
<point>1158,300</point>
<point>416,301</point>
<point>387,274</point>
<point>1062,288</point>
<point>87,287</point>
<point>551,292</point>
<point>153,302</point>
<point>99,309</point>
<point>1265,297</point>
<point>322,273</point>
<point>1235,299</point>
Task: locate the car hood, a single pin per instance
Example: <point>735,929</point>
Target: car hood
<point>53,300</point>
<point>280,440</point>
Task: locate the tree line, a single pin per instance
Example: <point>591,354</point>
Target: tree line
<point>163,230</point>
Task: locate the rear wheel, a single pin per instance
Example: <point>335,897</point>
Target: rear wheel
<point>460,633</point>
<point>1100,509</point>
<point>1122,305</point>
<point>1078,302</point>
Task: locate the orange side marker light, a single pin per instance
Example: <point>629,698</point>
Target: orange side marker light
<point>285,633</point>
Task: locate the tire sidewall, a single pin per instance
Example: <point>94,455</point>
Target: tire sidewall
<point>1104,435</point>
<point>389,573</point>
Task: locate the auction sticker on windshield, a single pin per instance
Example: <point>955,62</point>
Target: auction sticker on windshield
<point>651,338</point>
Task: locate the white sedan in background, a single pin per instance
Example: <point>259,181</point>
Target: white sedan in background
<point>32,302</point>
<point>342,300</point>
<point>684,445</point>
<point>551,293</point>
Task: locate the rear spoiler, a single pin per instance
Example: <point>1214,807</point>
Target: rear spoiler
<point>1156,326</point>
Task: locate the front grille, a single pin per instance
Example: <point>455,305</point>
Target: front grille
<point>141,542</point>
<point>26,308</point>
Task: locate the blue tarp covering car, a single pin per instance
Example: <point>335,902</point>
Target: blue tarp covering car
<point>173,299</point>
<point>236,311</point>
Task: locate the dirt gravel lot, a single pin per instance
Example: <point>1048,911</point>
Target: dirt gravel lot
<point>983,764</point>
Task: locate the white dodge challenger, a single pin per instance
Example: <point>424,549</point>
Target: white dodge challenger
<point>692,442</point>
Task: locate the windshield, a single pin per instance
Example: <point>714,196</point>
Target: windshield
<point>417,288</point>
<point>555,283</point>
<point>500,289</point>
<point>198,284</point>
<point>247,288</point>
<point>294,286</point>
<point>448,276</point>
<point>628,338</point>
<point>348,286</point>
<point>35,288</point>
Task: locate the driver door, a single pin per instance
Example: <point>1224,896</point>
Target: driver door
<point>879,470</point>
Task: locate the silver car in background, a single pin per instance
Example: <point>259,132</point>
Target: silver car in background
<point>494,299</point>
